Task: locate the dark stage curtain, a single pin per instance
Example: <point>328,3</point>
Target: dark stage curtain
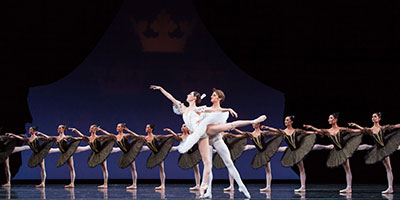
<point>42,41</point>
<point>326,56</point>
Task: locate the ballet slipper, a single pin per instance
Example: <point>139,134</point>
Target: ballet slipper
<point>346,190</point>
<point>70,186</point>
<point>195,188</point>
<point>161,187</point>
<point>301,189</point>
<point>202,189</point>
<point>259,119</point>
<point>230,188</point>
<point>245,192</point>
<point>266,189</point>
<point>132,187</point>
<point>388,191</point>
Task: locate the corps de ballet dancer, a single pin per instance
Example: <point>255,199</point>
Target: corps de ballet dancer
<point>67,145</point>
<point>39,150</point>
<point>266,150</point>
<point>345,141</point>
<point>190,159</point>
<point>300,143</point>
<point>101,147</point>
<point>8,145</point>
<point>160,146</point>
<point>387,141</point>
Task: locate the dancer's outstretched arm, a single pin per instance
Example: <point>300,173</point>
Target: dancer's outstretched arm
<point>304,131</point>
<point>177,137</point>
<point>230,110</point>
<point>269,128</point>
<point>79,133</point>
<point>239,131</point>
<point>164,136</point>
<point>133,133</point>
<point>350,130</point>
<point>226,134</point>
<point>45,137</point>
<point>169,96</point>
<point>356,125</point>
<point>271,132</point>
<point>317,130</point>
<point>17,136</point>
<point>105,132</point>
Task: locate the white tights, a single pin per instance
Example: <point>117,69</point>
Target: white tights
<point>223,152</point>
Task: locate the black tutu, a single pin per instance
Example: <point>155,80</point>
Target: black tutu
<point>378,153</point>
<point>190,159</point>
<point>7,145</point>
<point>44,148</point>
<point>128,157</point>
<point>338,157</point>
<point>156,158</point>
<point>73,145</point>
<point>105,147</point>
<point>236,147</point>
<point>293,156</point>
<point>263,157</point>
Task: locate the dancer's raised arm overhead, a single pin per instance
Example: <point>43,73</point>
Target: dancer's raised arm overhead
<point>387,141</point>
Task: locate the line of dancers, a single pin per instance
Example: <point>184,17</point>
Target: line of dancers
<point>206,132</point>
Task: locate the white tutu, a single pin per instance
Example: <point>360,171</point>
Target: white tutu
<point>200,129</point>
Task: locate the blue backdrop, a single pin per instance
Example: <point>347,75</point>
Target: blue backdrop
<point>149,43</point>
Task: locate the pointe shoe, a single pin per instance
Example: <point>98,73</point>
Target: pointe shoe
<point>195,188</point>
<point>40,185</point>
<point>102,186</point>
<point>160,187</point>
<point>132,187</point>
<point>346,190</point>
<point>301,189</point>
<point>230,188</point>
<point>388,191</point>
<point>266,189</point>
<point>259,119</point>
<point>208,194</point>
<point>70,186</point>
<point>245,192</point>
<point>202,189</point>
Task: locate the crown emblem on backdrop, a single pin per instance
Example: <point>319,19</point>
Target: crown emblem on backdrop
<point>163,39</point>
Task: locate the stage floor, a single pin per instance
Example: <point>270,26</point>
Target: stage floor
<point>181,191</point>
